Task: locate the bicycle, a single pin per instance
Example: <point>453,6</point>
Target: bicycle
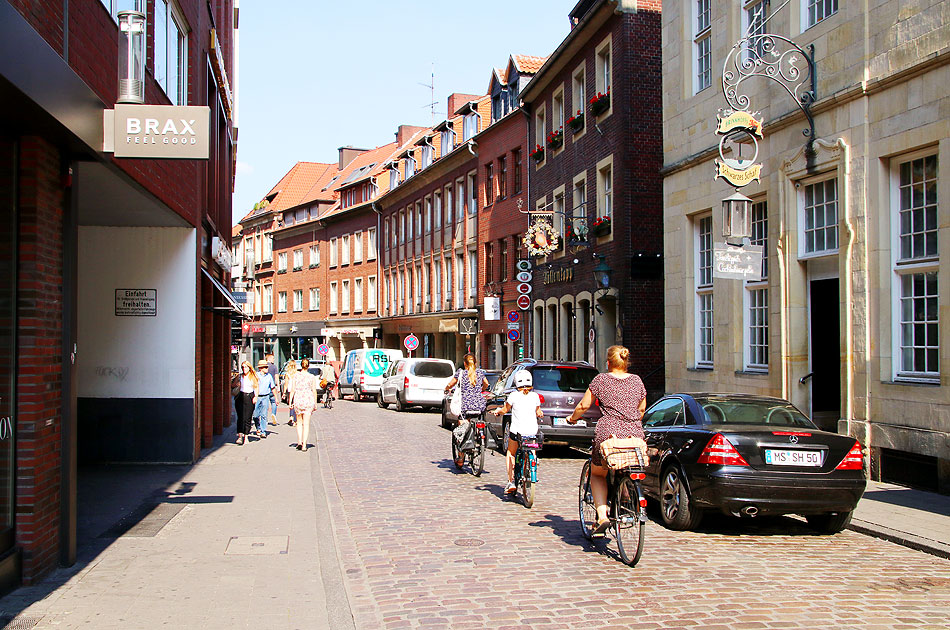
<point>626,502</point>
<point>526,467</point>
<point>328,396</point>
<point>475,455</point>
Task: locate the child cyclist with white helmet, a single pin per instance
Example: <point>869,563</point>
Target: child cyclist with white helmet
<point>525,407</point>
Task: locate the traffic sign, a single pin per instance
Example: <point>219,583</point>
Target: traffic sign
<point>524,265</point>
<point>514,326</point>
<point>513,316</point>
<point>591,335</point>
<point>524,276</point>
<point>524,302</point>
<point>514,335</point>
<point>524,288</point>
<point>411,342</point>
<point>323,349</point>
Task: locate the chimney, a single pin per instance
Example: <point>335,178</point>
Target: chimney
<point>405,132</point>
<point>458,99</point>
<point>348,154</point>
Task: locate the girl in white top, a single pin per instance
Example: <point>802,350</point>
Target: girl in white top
<point>525,407</point>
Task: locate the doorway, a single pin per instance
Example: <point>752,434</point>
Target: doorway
<point>825,353</point>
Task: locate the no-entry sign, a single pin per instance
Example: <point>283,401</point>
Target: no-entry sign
<point>524,302</point>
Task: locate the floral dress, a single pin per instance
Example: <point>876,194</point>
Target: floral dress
<point>472,399</point>
<point>619,400</point>
<point>303,387</point>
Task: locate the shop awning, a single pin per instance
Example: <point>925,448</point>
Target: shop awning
<point>233,310</point>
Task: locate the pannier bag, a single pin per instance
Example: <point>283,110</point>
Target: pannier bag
<point>621,453</point>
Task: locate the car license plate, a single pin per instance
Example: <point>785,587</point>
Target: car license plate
<point>562,422</point>
<point>792,458</point>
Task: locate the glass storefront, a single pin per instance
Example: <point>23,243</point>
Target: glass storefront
<point>8,266</point>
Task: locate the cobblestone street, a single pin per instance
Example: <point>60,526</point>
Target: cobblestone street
<point>424,545</point>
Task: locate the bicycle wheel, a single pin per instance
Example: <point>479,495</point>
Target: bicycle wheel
<point>628,527</point>
<point>587,513</point>
<point>458,457</point>
<point>527,488</point>
<point>478,455</point>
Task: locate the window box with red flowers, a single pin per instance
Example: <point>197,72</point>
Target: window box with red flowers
<point>600,226</point>
<point>538,153</point>
<point>556,139</point>
<point>600,103</point>
<point>576,122</point>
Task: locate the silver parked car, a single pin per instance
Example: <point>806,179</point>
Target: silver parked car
<point>411,382</point>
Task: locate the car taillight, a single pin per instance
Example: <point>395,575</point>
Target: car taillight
<point>405,383</point>
<point>854,460</point>
<point>721,452</point>
<point>541,396</point>
<point>362,379</point>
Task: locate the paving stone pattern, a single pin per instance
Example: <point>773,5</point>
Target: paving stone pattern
<point>401,507</point>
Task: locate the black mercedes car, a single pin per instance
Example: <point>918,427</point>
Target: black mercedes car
<point>747,456</point>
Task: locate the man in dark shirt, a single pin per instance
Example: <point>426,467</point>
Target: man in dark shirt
<point>272,370</point>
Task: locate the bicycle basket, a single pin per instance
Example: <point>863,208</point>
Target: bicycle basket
<point>620,453</point>
<point>532,441</point>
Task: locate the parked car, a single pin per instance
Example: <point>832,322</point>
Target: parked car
<point>412,382</point>
<point>363,369</point>
<point>748,456</point>
<point>561,386</point>
<point>449,419</point>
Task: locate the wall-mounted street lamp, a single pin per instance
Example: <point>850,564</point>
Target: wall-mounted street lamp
<point>736,218</point>
<point>602,272</point>
<point>131,57</point>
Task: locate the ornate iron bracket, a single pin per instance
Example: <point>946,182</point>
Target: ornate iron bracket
<point>773,57</point>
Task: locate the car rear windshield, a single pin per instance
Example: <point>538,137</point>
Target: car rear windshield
<point>435,369</point>
<point>769,412</point>
<point>562,379</point>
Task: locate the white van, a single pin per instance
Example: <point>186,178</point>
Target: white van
<point>363,370</point>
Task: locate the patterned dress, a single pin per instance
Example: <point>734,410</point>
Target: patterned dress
<point>619,400</point>
<point>303,387</point>
<point>472,399</point>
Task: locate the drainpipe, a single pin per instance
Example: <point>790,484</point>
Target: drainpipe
<point>848,282</point>
<point>379,254</point>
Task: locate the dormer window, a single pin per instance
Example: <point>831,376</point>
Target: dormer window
<point>499,104</point>
<point>393,176</point>
<point>448,141</point>
<point>514,93</point>
<point>426,156</point>
<point>410,165</point>
<point>469,126</point>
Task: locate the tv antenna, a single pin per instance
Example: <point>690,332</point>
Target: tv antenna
<point>432,102</point>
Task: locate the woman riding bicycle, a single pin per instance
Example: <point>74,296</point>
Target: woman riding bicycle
<point>623,399</point>
<point>471,380</point>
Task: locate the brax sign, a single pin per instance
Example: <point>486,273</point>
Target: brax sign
<point>161,131</point>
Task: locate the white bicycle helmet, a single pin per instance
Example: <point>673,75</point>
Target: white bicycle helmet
<point>523,379</point>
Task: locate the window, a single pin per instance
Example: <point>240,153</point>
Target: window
<point>410,166</point>
<point>402,227</point>
<point>418,219</point>
<point>371,293</point>
<point>602,61</point>
<point>704,292</point>
<point>333,298</point>
<point>916,265</point>
<point>448,141</point>
<point>281,301</point>
<point>757,297</point>
<point>473,190</point>
<point>557,113</point>
<point>818,10</point>
<point>579,213</point>
<point>753,22</point>
<point>268,248</point>
<point>502,177</point>
<point>334,252</point>
<point>605,182</point>
<point>357,295</point>
<point>539,128</point>
<point>282,262</point>
<point>516,158</point>
<point>459,280</point>
<point>400,293</point>
<point>428,215</point>
<point>489,184</point>
<point>423,287</point>
<point>460,210</point>
<point>257,300</point>
<point>345,296</point>
<point>472,273</point>
<point>579,91</point>
<point>417,287</point>
<point>437,212</point>
<point>298,259</point>
<point>345,250</point>
<point>448,281</point>
<point>372,247</point>
<point>393,176</point>
<point>702,39</point>
<point>358,247</point>
<point>426,156</point>
<point>408,218</point>
<point>821,217</point>
<point>469,126</point>
<point>298,300</point>
<point>514,91</point>
<point>503,260</point>
<point>449,208</point>
<point>437,284</point>
<point>171,51</point>
<point>314,299</point>
<point>314,256</point>
<point>489,262</point>
<point>558,219</point>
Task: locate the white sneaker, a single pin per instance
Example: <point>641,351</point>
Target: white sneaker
<point>510,488</point>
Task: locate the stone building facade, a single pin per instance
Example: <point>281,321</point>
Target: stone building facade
<point>850,321</point>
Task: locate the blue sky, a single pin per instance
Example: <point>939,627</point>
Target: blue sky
<point>318,75</point>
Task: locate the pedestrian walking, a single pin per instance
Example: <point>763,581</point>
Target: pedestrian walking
<point>303,399</point>
<point>266,397</point>
<point>274,374</point>
<point>623,399</point>
<point>245,401</point>
<point>286,384</point>
<point>471,380</point>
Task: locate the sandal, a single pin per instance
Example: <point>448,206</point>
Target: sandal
<point>601,528</point>
<point>240,440</point>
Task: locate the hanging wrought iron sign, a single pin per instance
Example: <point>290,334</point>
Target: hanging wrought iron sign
<point>541,238</point>
<point>738,150</point>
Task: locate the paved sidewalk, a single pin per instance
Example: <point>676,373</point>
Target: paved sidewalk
<point>913,518</point>
<point>239,540</point>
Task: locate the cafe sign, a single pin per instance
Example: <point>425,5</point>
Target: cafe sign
<point>157,131</point>
<point>737,263</point>
<point>738,148</point>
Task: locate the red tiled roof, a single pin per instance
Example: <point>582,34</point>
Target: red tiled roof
<point>293,186</point>
<point>528,64</point>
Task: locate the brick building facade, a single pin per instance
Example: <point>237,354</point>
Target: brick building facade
<point>594,115</point>
<point>80,227</point>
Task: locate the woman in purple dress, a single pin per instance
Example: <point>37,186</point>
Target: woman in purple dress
<point>623,399</point>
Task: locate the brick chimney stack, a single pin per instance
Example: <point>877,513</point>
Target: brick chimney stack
<point>458,99</point>
<point>348,154</point>
<point>405,132</point>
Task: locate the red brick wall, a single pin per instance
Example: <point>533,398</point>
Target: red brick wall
<point>39,362</point>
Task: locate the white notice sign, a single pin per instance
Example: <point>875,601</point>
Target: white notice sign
<point>136,302</point>
<point>738,263</point>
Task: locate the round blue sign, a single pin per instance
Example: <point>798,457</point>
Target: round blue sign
<point>513,335</point>
<point>513,316</point>
<point>323,349</point>
<point>411,342</point>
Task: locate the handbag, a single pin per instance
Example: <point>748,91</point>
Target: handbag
<point>455,403</point>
